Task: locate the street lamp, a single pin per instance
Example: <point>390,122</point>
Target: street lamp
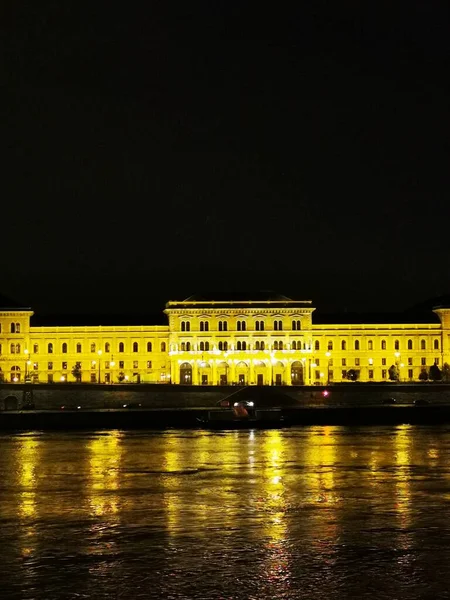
<point>27,362</point>
<point>99,355</point>
<point>328,354</point>
<point>397,362</point>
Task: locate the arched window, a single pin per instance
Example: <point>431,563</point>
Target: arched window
<point>330,345</point>
<point>436,344</point>
<point>256,345</point>
<point>17,348</point>
<point>343,345</point>
<point>93,347</point>
<point>317,345</point>
<point>64,348</point>
<point>188,326</point>
<point>225,346</point>
<point>262,346</point>
<point>383,344</point>
<point>244,345</point>
<point>202,346</point>
<point>397,345</point>
<point>356,344</point>
<point>280,345</point>
<point>257,325</point>
<point>206,325</point>
<point>423,345</point>
<point>220,346</point>
<point>238,346</point>
<point>275,325</point>
<point>50,348</point>
<point>299,325</point>
<point>294,325</point>
<point>183,347</point>
<point>163,346</point>
<point>410,344</point>
<point>135,347</point>
<point>275,345</point>
<point>183,326</point>
<point>121,346</point>
<point>220,325</point>
<point>13,328</point>
<point>370,345</point>
<point>188,347</point>
<point>202,326</point>
<point>13,349</point>
<point>78,348</point>
<point>280,325</point>
<point>107,347</point>
<point>294,345</point>
<point>149,346</point>
<point>17,327</point>
<point>35,349</point>
<point>225,326</point>
<point>207,346</point>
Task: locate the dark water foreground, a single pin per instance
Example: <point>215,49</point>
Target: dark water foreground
<point>312,512</point>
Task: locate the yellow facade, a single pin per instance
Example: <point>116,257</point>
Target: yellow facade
<point>271,341</point>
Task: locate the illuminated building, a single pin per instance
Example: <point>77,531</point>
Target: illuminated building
<point>267,339</point>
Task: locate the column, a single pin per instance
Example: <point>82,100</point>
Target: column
<point>252,373</point>
<point>194,373</point>
<point>214,373</point>
<point>287,374</point>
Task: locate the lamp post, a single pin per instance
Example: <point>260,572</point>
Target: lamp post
<point>99,355</point>
<point>397,362</point>
<point>328,355</point>
<point>113,364</point>
<point>27,362</point>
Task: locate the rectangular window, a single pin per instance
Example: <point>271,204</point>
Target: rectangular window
<point>121,364</point>
<point>149,364</point>
<point>423,361</point>
<point>410,360</point>
<point>50,366</point>
<point>383,374</point>
<point>35,366</point>
<point>383,362</point>
<point>370,373</point>
<point>107,378</point>
<point>436,361</point>
<point>135,364</point>
<point>357,362</point>
<point>344,362</point>
<point>330,375</point>
<point>317,374</point>
<point>106,364</point>
<point>344,374</point>
<point>93,378</point>
<point>93,364</point>
<point>317,361</point>
<point>35,349</point>
<point>50,377</point>
<point>64,366</point>
<point>410,374</point>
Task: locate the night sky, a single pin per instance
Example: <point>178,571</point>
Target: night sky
<point>159,152</point>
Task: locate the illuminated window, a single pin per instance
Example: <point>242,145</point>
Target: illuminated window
<point>64,366</point>
<point>93,347</point>
<point>317,345</point>
<point>343,345</point>
<point>383,344</point>
<point>107,347</point>
<point>17,348</point>
<point>149,346</point>
<point>135,364</point>
<point>64,348</point>
<point>410,344</point>
<point>121,346</point>
<point>225,346</point>
<point>423,345</point>
<point>383,362</point>
<point>383,373</point>
<point>357,362</point>
<point>370,345</point>
<point>183,347</point>
<point>330,345</point>
<point>93,378</point>
<point>50,348</point>
<point>135,347</point>
<point>50,366</point>
<point>356,344</point>
<point>78,348</point>
<point>121,364</point>
<point>423,361</point>
<point>17,327</point>
<point>35,349</point>
<point>410,361</point>
<point>149,364</point>
<point>370,373</point>
<point>13,348</point>
<point>107,364</point>
<point>163,346</point>
<point>397,345</point>
<point>436,344</point>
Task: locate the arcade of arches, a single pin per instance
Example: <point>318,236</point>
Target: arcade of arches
<point>242,372</point>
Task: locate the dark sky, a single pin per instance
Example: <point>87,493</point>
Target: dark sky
<point>154,153</point>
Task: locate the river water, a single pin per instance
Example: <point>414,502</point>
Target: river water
<point>314,512</point>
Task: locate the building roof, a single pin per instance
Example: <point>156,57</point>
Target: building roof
<point>95,320</point>
<point>224,300</point>
<point>406,317</point>
<point>10,304</point>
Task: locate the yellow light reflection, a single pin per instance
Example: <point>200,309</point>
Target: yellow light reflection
<point>402,443</point>
<point>321,458</point>
<point>104,465</point>
<point>28,454</point>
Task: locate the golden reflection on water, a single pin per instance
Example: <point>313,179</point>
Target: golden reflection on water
<point>402,446</point>
<point>321,446</point>
<point>28,457</point>
<point>104,474</point>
